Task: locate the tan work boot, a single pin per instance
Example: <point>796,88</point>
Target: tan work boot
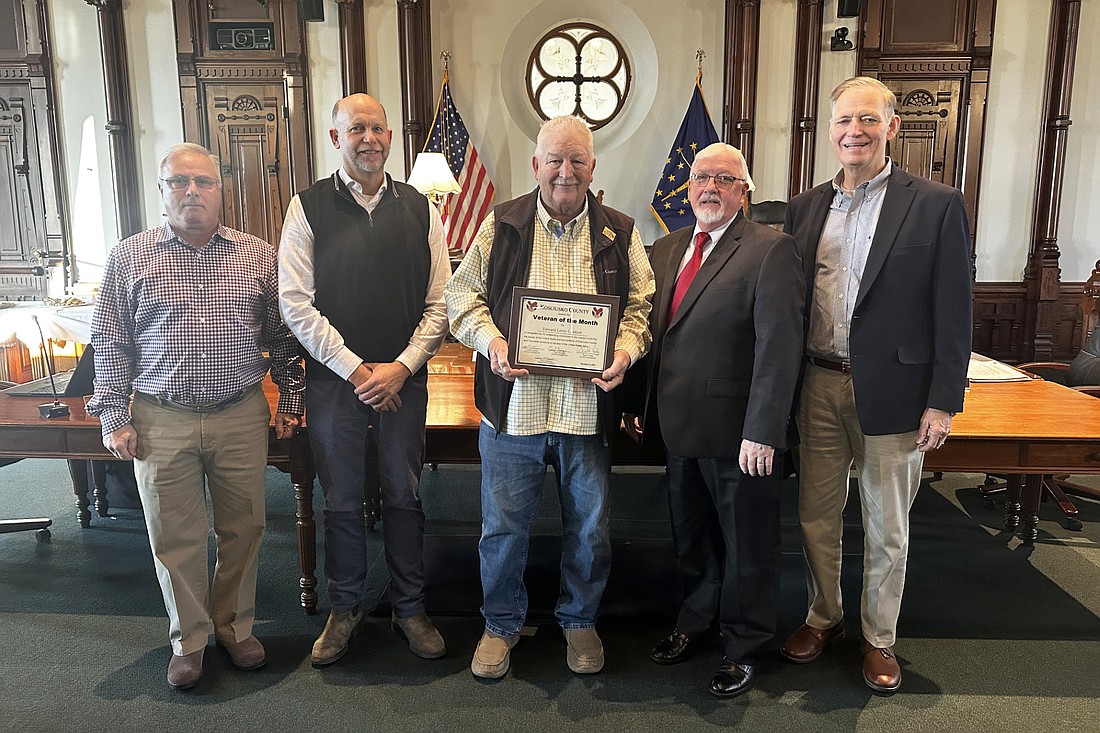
<point>584,653</point>
<point>493,655</point>
<point>184,670</point>
<point>424,639</point>
<point>333,641</point>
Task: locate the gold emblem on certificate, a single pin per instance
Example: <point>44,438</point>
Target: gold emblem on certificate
<point>562,334</point>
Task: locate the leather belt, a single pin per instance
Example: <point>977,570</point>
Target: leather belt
<point>202,409</point>
<point>836,366</point>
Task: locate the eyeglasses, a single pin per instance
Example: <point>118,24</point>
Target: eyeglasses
<point>722,181</point>
<point>179,183</point>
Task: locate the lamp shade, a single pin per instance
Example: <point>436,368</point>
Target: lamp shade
<point>431,176</point>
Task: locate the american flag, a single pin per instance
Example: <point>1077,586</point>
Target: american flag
<point>464,211</point>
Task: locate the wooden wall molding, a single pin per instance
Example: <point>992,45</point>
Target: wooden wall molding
<point>920,66</point>
<point>22,73</point>
<point>273,73</point>
<point>742,56</point>
<point>1000,321</point>
<point>1042,272</point>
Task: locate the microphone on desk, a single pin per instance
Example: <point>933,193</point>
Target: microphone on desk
<point>57,408</point>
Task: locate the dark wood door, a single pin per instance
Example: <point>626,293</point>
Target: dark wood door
<point>248,132</point>
<point>927,143</point>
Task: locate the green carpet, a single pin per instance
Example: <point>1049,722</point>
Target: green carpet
<point>995,635</point>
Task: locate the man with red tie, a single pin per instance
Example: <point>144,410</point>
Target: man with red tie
<point>720,381</point>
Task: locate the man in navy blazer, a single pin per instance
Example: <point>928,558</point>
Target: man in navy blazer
<point>721,376</point>
<point>888,332</point>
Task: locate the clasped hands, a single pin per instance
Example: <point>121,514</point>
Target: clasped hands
<point>611,378</point>
<point>377,384</point>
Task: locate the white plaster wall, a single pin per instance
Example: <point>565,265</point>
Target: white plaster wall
<point>774,92</point>
<point>1011,156</point>
<point>836,66</point>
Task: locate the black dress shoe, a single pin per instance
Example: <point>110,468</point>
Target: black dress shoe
<point>732,678</point>
<point>675,648</point>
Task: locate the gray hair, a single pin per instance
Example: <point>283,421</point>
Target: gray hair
<point>193,149</point>
<point>565,125</point>
<point>889,100</point>
<point>729,150</point>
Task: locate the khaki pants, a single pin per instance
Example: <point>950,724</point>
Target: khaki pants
<point>177,450</point>
<point>888,469</point>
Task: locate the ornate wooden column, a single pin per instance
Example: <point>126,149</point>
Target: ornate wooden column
<point>807,69</point>
<point>353,47</point>
<point>1042,274</point>
<point>742,56</point>
<point>120,129</point>
<point>414,26</point>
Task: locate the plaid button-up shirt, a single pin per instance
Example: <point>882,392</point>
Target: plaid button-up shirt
<point>190,325</point>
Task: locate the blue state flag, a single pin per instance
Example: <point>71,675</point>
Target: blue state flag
<point>670,200</point>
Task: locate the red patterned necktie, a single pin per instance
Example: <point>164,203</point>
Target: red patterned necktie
<point>688,273</point>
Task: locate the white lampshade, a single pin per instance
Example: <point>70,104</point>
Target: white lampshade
<point>431,176</point>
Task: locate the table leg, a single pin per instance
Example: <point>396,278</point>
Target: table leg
<point>1029,509</point>
<point>1012,502</point>
<point>301,475</point>
<point>78,472</point>
<point>99,486</point>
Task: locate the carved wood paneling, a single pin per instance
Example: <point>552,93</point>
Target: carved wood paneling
<point>414,18</point>
<point>353,47</point>
<point>1000,321</point>
<point>248,106</point>
<point>33,230</point>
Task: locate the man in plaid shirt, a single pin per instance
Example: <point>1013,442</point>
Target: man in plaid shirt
<point>183,318</point>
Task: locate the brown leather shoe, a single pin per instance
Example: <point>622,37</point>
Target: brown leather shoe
<point>247,654</point>
<point>424,639</point>
<point>333,641</point>
<point>185,670</point>
<point>807,644</point>
<point>880,668</point>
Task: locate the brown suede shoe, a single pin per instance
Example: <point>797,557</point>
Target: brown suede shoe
<point>333,641</point>
<point>584,651</point>
<point>493,655</point>
<point>184,671</point>
<point>880,668</point>
<point>424,639</point>
<point>247,654</point>
<point>807,644</point>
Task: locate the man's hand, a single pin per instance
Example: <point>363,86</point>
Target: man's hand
<point>381,388</point>
<point>935,426</point>
<point>613,375</point>
<point>633,425</point>
<point>286,424</point>
<point>498,361</point>
<point>756,458</point>
<point>122,442</point>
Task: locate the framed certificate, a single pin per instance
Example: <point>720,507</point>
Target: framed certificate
<point>562,334</point>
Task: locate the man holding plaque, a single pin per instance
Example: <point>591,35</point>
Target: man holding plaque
<point>557,238</point>
<point>721,378</point>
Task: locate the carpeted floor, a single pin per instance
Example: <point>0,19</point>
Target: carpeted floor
<point>995,635</point>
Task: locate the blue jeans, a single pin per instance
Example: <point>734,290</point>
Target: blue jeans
<point>513,469</point>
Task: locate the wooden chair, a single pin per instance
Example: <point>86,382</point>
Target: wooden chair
<point>1082,374</point>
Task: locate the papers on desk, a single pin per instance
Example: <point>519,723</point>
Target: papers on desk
<point>984,369</point>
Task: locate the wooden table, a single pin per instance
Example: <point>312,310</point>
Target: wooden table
<point>1023,429</point>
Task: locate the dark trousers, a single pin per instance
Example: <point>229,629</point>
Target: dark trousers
<point>338,426</point>
<point>725,526</point>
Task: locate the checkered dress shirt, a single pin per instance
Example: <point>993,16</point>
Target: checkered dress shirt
<point>540,403</point>
<point>190,325</point>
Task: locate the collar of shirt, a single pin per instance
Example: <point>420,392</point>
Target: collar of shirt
<point>715,235</point>
<point>364,199</point>
<point>167,235</point>
<point>869,189</point>
<point>568,227</point>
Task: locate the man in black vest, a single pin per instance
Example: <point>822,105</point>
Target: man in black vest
<point>557,237</point>
<point>362,266</point>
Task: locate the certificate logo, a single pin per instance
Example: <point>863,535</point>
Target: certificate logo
<point>597,312</point>
<point>532,305</point>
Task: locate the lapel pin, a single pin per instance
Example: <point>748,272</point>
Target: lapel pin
<point>609,233</point>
